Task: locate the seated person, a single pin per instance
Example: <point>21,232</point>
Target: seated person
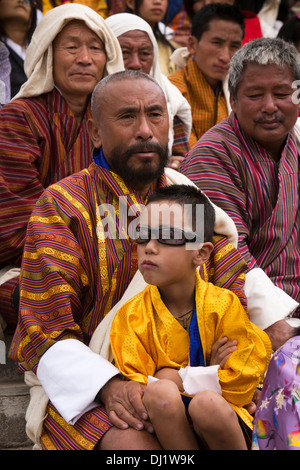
<point>43,131</point>
<point>18,20</point>
<point>140,52</point>
<point>154,15</point>
<point>217,33</point>
<point>174,323</point>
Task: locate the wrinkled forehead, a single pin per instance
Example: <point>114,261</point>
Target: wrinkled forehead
<point>73,29</point>
<point>135,37</point>
<point>137,93</point>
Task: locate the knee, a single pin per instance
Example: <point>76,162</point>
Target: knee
<point>162,396</point>
<point>210,407</point>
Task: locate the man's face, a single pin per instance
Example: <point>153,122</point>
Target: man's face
<point>78,59</point>
<point>212,54</point>
<point>264,106</point>
<point>137,50</point>
<point>133,130</point>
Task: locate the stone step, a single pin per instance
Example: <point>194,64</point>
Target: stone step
<point>14,399</point>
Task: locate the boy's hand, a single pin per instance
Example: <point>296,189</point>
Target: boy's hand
<point>221,351</point>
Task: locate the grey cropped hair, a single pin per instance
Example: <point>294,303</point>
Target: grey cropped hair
<point>263,51</point>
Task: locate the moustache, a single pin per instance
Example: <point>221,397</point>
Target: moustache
<point>144,147</point>
<point>264,119</point>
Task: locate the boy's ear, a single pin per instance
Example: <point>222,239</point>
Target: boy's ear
<point>203,253</point>
<point>94,133</point>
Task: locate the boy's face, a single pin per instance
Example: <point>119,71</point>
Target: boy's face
<point>162,264</point>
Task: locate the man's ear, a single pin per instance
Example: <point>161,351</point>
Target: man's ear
<point>203,253</point>
<point>232,102</point>
<point>191,44</point>
<point>94,133</point>
<point>130,4</point>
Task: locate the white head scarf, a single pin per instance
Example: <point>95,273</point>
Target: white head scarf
<point>38,63</point>
<point>121,23</point>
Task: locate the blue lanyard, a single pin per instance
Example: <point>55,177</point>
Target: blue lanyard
<point>196,351</point>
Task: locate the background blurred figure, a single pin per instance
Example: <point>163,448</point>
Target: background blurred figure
<point>100,6</point>
<point>5,69</point>
<point>177,18</point>
<point>262,18</point>
<point>290,31</point>
<point>18,20</point>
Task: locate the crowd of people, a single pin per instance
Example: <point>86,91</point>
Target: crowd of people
<point>150,221</point>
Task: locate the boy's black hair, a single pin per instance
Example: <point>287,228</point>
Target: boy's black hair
<point>187,194</point>
<point>216,11</point>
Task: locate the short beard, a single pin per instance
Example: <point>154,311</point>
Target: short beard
<point>146,173</point>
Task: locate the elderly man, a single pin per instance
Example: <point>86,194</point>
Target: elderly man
<point>217,33</point>
<point>80,264</point>
<point>140,52</point>
<point>249,166</point>
<point>43,131</point>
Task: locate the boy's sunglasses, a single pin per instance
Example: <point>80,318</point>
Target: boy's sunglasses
<point>166,235</point>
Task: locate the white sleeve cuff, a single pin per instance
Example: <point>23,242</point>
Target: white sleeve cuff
<point>199,379</point>
<point>267,303</point>
<point>72,375</point>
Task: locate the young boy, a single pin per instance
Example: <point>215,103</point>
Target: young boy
<point>174,323</point>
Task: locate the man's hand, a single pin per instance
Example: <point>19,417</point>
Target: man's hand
<point>175,162</point>
<point>279,333</point>
<point>123,403</point>
<point>221,351</point>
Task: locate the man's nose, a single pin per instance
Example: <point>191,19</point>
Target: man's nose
<point>269,104</point>
<point>134,63</point>
<point>83,55</point>
<point>225,55</point>
<point>144,130</point>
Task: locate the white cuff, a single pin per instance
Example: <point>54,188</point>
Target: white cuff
<point>199,379</point>
<point>267,303</point>
<point>72,375</point>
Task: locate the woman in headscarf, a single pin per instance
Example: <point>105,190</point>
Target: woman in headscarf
<point>43,131</point>
<point>140,52</point>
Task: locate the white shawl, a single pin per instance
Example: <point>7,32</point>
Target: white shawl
<point>38,63</point>
<point>121,23</point>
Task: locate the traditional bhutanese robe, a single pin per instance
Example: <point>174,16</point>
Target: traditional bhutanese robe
<point>208,107</point>
<point>259,194</point>
<point>43,140</point>
<point>146,337</point>
<point>72,275</point>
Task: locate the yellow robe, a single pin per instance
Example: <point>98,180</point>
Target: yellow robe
<point>146,337</point>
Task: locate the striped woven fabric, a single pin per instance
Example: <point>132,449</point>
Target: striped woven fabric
<point>73,272</point>
<point>73,275</point>
<point>41,143</point>
<point>208,108</point>
<point>261,196</point>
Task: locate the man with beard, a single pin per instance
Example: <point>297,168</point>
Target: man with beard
<point>80,263</point>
